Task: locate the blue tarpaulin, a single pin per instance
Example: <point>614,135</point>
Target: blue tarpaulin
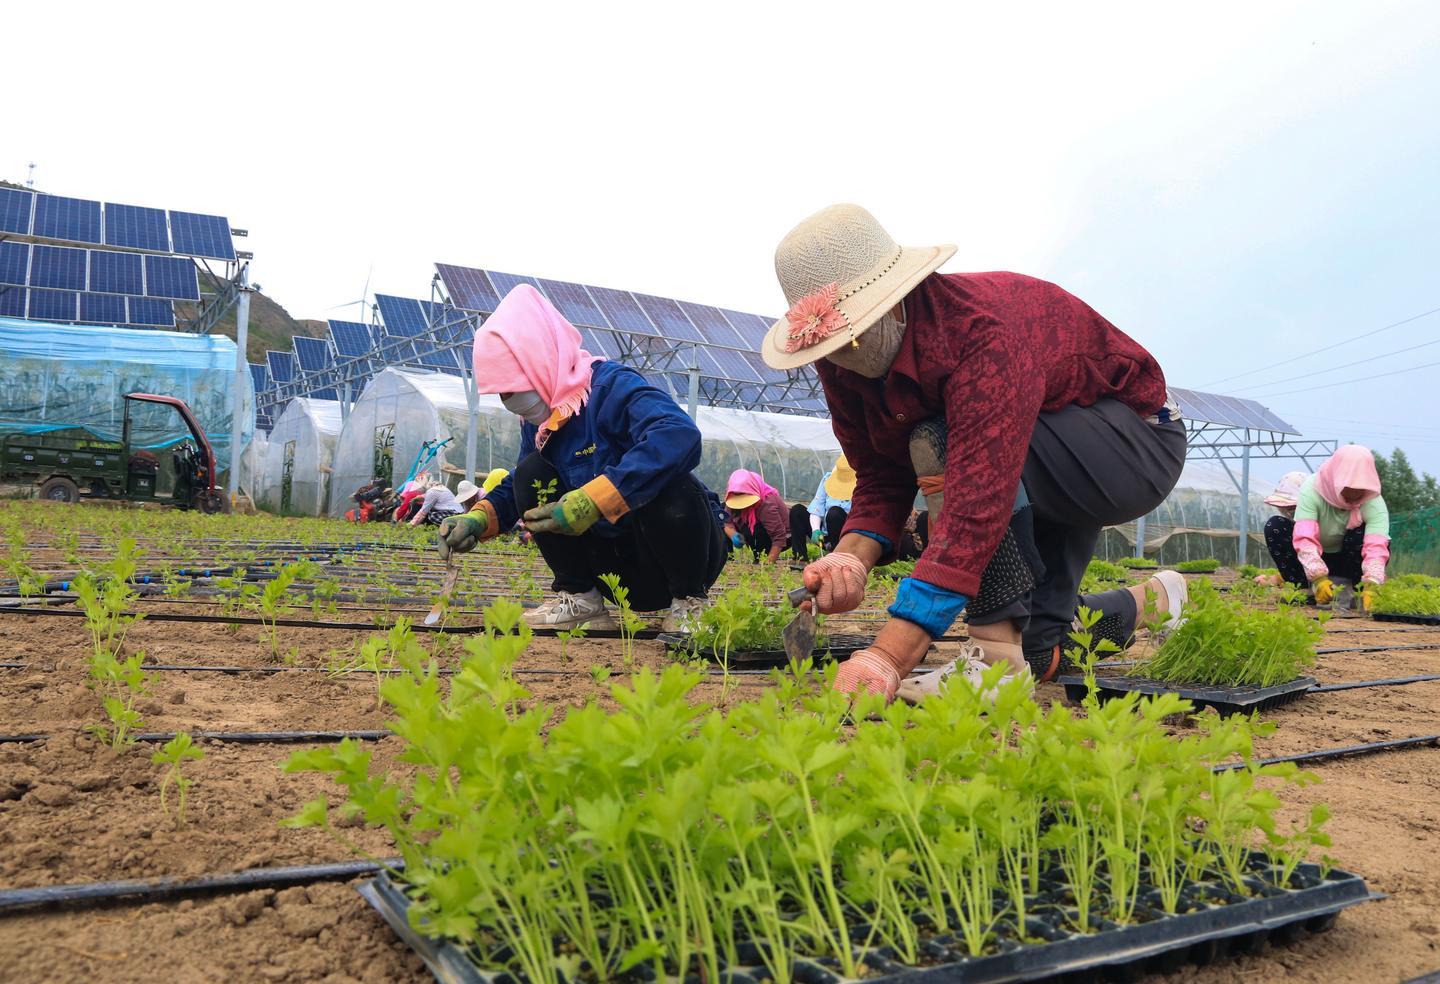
<point>54,376</point>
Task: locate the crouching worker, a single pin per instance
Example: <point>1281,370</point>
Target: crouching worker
<point>825,517</point>
<point>1340,534</point>
<point>757,515</point>
<point>1280,530</point>
<point>1054,425</point>
<point>604,479</point>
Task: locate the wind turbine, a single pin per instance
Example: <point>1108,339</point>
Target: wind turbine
<point>364,294</point>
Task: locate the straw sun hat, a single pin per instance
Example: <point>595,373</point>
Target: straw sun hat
<point>841,483</point>
<point>840,272</point>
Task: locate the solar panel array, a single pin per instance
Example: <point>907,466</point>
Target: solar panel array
<point>104,285</point>
<point>726,342</point>
<point>1229,411</point>
<point>79,220</point>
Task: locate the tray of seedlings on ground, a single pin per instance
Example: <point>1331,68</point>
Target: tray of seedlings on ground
<point>1207,565</point>
<point>1412,598</point>
<point>1224,654</point>
<point>1101,575</point>
<point>799,837</point>
<point>1138,563</point>
<point>740,630</point>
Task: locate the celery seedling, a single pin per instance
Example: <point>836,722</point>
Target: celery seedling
<point>174,753</point>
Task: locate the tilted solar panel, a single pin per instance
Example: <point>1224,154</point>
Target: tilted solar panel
<point>57,267</point>
<point>621,310</point>
<point>134,227</point>
<point>202,235</point>
<point>259,377</point>
<point>352,339</point>
<point>312,354</point>
<point>12,301</point>
<point>282,366</point>
<point>401,315</point>
<point>468,288</point>
<point>752,327</point>
<point>506,282</point>
<point>116,273</point>
<point>15,209</point>
<point>669,318</point>
<point>151,311</point>
<point>53,305</point>
<point>102,309</point>
<point>14,263</point>
<point>171,276</point>
<point>73,220</point>
<point>713,325</point>
<point>575,302</point>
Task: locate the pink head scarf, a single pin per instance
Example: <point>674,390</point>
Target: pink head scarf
<point>744,482</point>
<point>1352,467</point>
<point>528,345</point>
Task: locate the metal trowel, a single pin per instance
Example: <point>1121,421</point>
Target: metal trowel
<point>452,574</point>
<point>799,635</point>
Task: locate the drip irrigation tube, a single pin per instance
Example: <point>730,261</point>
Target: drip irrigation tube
<point>235,737</point>
<point>1387,682</point>
<point>1345,751</point>
<point>170,886</point>
<point>1379,649</point>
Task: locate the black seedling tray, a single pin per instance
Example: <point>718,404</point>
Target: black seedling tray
<point>823,651</point>
<point>1213,930</point>
<point>1226,700</point>
<point>1408,619</point>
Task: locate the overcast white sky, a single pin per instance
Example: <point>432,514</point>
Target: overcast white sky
<point>1233,184</point>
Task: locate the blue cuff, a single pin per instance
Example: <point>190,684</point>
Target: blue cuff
<point>887,548</point>
<point>932,608</point>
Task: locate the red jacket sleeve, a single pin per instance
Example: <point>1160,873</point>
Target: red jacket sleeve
<point>991,404</point>
<point>884,490</point>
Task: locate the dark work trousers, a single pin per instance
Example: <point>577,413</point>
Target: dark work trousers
<point>912,545</point>
<point>1119,615</point>
<point>1344,563</point>
<point>669,548</point>
<point>831,526</point>
<point>1087,468</point>
<point>758,539</point>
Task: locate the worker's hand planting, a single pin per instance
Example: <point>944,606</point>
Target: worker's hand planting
<point>1324,590</point>
<point>573,514</point>
<point>460,534</point>
<point>837,581</point>
<point>868,672</point>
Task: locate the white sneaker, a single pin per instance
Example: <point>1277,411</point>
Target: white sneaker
<point>568,611</point>
<point>970,664</point>
<point>684,615</point>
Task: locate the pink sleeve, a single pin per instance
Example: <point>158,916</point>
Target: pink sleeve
<point>1307,547</point>
<point>1374,555</point>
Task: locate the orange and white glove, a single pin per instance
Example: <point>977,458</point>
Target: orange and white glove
<point>868,672</point>
<point>838,582</point>
<point>899,648</point>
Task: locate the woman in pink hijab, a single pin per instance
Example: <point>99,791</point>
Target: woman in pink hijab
<point>759,518</point>
<point>1341,531</point>
<point>604,479</point>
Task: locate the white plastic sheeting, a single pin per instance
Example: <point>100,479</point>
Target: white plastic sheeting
<point>401,409</point>
<point>252,464</point>
<point>295,479</point>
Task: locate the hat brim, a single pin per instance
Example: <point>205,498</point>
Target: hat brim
<point>861,309</point>
<point>1280,502</point>
<point>741,500</point>
<point>840,490</point>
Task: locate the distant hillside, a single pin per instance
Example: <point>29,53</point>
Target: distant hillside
<point>271,327</point>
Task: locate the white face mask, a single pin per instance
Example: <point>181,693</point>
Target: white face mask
<point>528,405</point>
<point>875,349</point>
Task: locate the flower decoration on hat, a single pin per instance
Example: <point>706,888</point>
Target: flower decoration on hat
<point>814,318</point>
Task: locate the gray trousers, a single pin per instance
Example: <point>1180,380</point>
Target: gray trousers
<point>1087,468</point>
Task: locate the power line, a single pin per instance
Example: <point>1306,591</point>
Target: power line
<point>1343,382</point>
<point>1389,425</point>
<point>1306,355</point>
<point>1348,365</point>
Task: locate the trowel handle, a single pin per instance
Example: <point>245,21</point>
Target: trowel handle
<point>799,596</point>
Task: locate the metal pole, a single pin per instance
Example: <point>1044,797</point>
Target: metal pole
<point>1140,537</point>
<point>694,381</point>
<point>1244,505</point>
<point>345,404</point>
<point>473,399</point>
<point>242,368</point>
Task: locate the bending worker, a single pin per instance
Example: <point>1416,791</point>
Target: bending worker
<point>1340,535</point>
<point>1280,530</point>
<point>604,479</point>
<point>1044,423</point>
<point>757,516</point>
<point>826,515</point>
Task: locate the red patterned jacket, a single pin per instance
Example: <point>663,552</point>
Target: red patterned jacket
<point>989,352</point>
